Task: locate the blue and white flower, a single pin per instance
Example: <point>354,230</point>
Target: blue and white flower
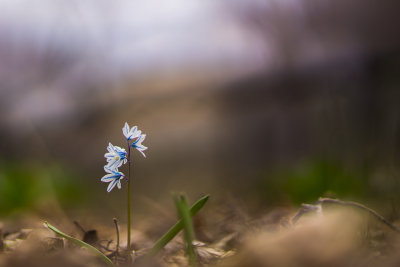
<point>115,156</point>
<point>113,177</point>
<point>138,144</point>
<point>130,133</point>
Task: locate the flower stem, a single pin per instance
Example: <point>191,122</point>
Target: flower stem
<point>129,199</point>
<point>117,230</point>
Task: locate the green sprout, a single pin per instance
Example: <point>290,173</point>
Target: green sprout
<point>80,243</point>
<point>184,214</point>
<point>174,230</point>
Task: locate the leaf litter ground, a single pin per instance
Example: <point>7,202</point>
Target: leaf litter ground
<point>322,234</point>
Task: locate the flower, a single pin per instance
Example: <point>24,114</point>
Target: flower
<point>113,177</point>
<point>130,133</point>
<point>115,156</point>
<point>138,144</point>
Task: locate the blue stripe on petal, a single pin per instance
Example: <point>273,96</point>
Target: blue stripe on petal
<point>106,179</point>
<point>110,164</point>
<point>111,185</point>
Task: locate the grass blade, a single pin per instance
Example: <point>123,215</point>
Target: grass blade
<point>184,214</point>
<point>80,243</point>
<point>174,230</point>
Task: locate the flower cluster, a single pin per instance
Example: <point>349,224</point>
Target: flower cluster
<point>116,156</point>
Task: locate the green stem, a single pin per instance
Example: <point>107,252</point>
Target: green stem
<point>129,199</point>
<point>184,214</point>
<point>80,243</point>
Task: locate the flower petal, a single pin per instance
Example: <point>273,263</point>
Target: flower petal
<point>111,164</point>
<point>119,184</point>
<point>107,178</point>
<point>137,134</point>
<point>112,185</point>
<point>107,169</point>
<point>141,151</point>
<point>133,132</point>
<point>125,130</point>
<point>142,148</point>
<point>114,164</point>
<point>110,147</point>
<point>119,150</point>
<point>141,139</point>
<point>138,142</point>
<point>109,155</point>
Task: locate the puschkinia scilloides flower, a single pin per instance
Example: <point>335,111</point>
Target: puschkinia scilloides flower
<point>130,133</point>
<point>138,144</point>
<point>115,156</point>
<point>113,177</point>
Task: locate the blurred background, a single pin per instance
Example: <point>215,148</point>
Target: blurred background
<point>273,103</point>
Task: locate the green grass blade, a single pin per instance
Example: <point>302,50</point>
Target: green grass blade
<point>80,243</point>
<point>184,214</point>
<point>174,230</point>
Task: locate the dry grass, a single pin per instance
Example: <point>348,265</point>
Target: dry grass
<point>339,236</point>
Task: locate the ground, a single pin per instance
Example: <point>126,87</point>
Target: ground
<point>322,234</point>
